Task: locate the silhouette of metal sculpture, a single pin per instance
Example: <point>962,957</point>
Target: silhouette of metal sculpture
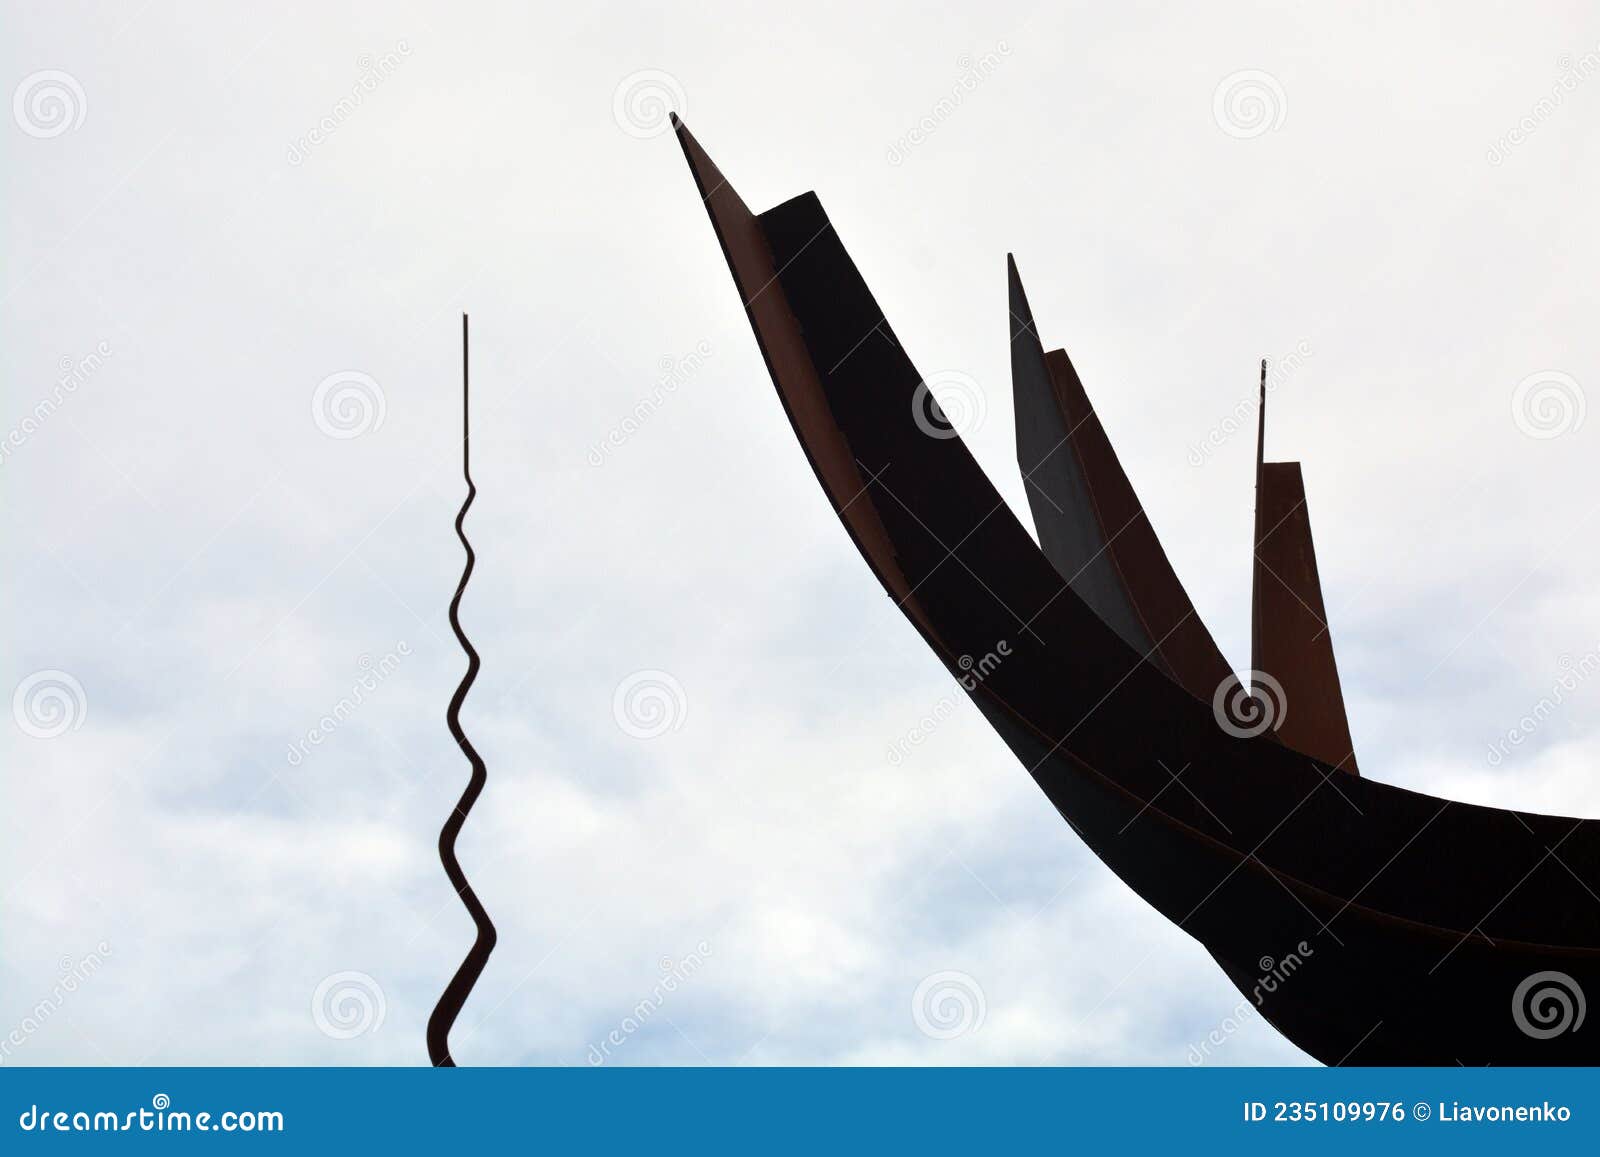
<point>1091,524</point>
<point>1439,932</point>
<point>472,966</point>
<point>1289,640</point>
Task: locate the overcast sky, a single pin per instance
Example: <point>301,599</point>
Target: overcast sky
<point>237,245</point>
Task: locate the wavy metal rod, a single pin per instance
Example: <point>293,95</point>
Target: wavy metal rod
<point>460,986</point>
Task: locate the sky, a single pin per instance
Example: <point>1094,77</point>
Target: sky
<point>737,813</point>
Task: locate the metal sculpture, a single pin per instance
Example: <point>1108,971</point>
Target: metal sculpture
<point>1444,932</point>
<point>472,965</point>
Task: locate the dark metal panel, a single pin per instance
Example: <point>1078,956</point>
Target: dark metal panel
<point>1070,531</point>
<point>1164,606</point>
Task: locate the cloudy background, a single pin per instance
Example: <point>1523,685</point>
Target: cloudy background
<point>204,225</point>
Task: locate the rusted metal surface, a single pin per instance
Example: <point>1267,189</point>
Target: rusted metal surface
<point>1247,845</point>
<point>1291,646</point>
<point>749,257</point>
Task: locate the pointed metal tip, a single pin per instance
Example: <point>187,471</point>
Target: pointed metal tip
<point>677,122</point>
<point>1021,311</point>
<point>1261,424</point>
